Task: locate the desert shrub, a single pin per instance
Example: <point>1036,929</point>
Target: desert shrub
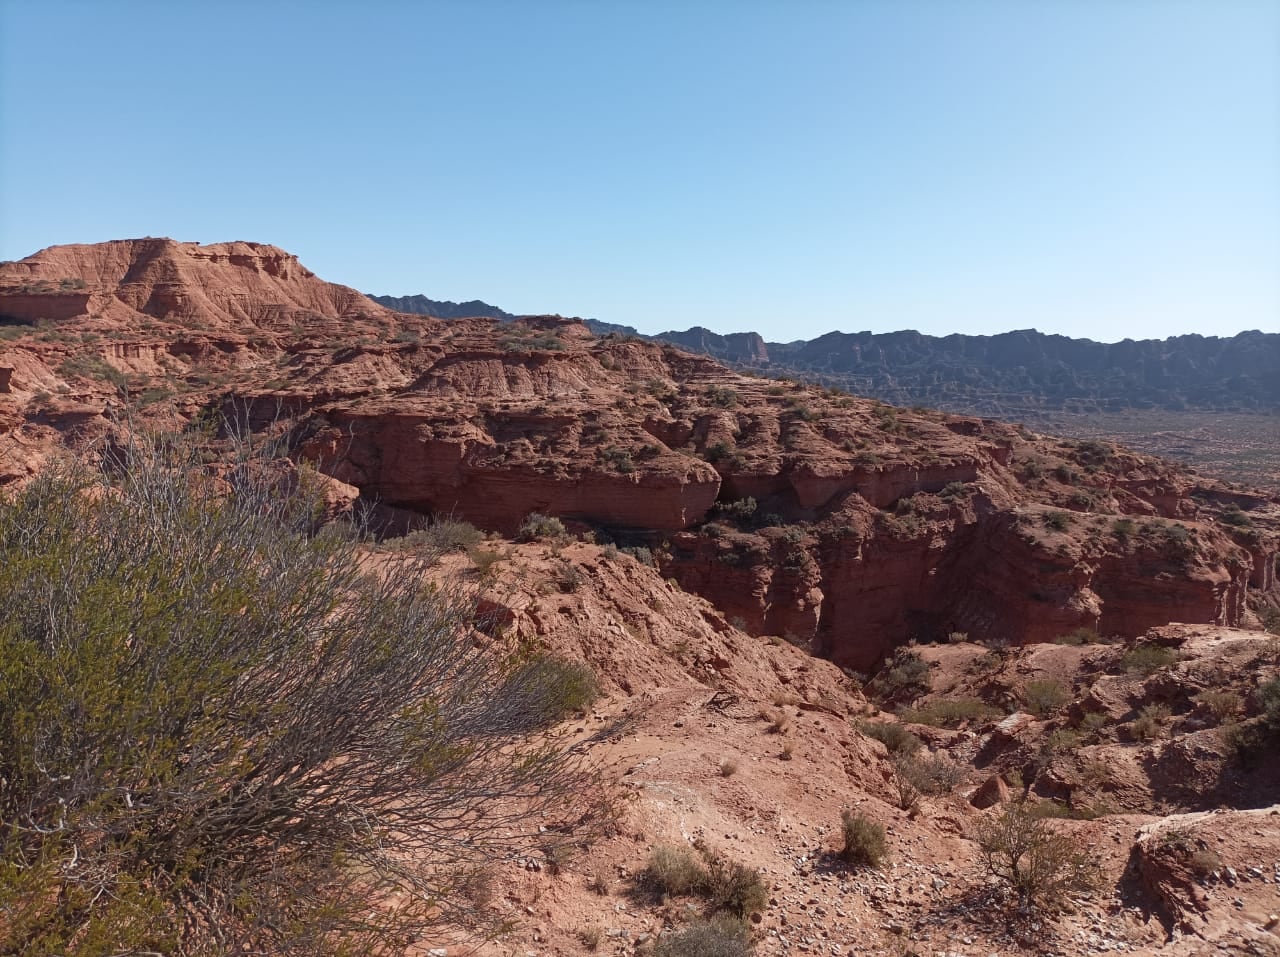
<point>1094,722</point>
<point>641,554</point>
<point>1149,722</point>
<point>1061,740</point>
<point>551,688</point>
<point>675,870</point>
<point>929,774</point>
<point>1044,696</point>
<point>1083,635</point>
<point>727,767</point>
<point>1058,521</point>
<point>568,576</point>
<point>1060,810</point>
<point>892,735</point>
<point>950,712</point>
<point>1271,620</point>
<point>222,734</point>
<point>1123,529</point>
<point>717,451</point>
<point>1204,861</point>
<point>742,510</point>
<point>485,560</point>
<point>1235,516</point>
<point>1221,704</point>
<point>589,937</point>
<point>718,936</point>
<point>1040,866</point>
<point>735,888</point>
<point>538,527</point>
<point>864,842</point>
<point>954,490</point>
<point>618,459</point>
<point>906,675</point>
<point>442,535</point>
<point>722,396</point>
<point>1147,659</point>
<point>93,367</point>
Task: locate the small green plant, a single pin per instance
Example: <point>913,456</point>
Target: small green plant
<point>1147,659</point>
<point>1058,521</point>
<point>1235,516</point>
<point>640,553</point>
<point>618,459</point>
<point>718,936</point>
<point>485,560</point>
<point>1223,705</point>
<point>1040,866</point>
<point>929,774</point>
<point>735,888</point>
<point>444,534</point>
<point>1123,529</point>
<point>1149,722</point>
<point>1083,635</point>
<point>722,396</point>
<point>906,675</point>
<point>538,527</point>
<point>864,841</point>
<point>950,712</point>
<point>675,871</point>
<point>564,687</point>
<point>1094,722</point>
<point>892,735</point>
<point>1045,696</point>
<point>93,367</point>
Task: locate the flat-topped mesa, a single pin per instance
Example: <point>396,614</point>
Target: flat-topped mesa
<point>845,523</point>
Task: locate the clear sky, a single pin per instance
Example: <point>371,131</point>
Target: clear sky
<point>1100,168</point>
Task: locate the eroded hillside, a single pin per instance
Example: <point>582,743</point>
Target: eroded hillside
<point>847,525</point>
<point>775,540</point>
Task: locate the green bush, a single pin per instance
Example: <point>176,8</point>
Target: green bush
<point>538,527</point>
<point>892,735</point>
<point>1058,521</point>
<point>1149,722</point>
<point>675,870</point>
<point>1147,659</point>
<point>1040,866</point>
<point>930,774</point>
<point>735,888</point>
<point>864,842</point>
<point>221,733</point>
<point>720,936</point>
<point>950,712</point>
<point>1045,696</point>
<point>905,675</point>
<point>549,688</point>
<point>443,535</point>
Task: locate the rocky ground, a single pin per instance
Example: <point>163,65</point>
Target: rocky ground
<point>752,749</point>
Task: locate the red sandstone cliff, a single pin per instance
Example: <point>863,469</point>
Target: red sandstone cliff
<point>841,522</point>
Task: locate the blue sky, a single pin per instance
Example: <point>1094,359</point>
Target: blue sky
<point>1100,169</point>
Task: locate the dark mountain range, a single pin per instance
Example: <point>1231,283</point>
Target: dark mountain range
<point>1029,371</point>
<point>1013,374</point>
<point>441,308</point>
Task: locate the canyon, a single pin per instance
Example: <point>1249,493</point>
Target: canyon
<point>739,555</point>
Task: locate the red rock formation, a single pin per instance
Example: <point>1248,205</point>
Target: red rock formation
<point>832,519</point>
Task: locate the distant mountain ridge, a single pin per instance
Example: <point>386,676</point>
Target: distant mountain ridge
<point>1011,374</point>
<point>442,308</point>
